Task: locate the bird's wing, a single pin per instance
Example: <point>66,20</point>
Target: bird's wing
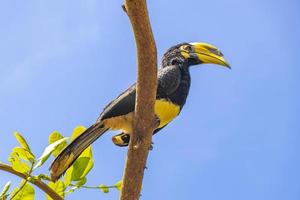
<point>168,80</point>
<point>122,105</point>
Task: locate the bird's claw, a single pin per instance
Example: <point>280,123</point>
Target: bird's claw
<point>151,146</point>
<point>156,122</point>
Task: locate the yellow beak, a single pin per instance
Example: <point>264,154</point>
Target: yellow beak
<point>208,53</point>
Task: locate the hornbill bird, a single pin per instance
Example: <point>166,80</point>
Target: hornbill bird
<point>172,90</point>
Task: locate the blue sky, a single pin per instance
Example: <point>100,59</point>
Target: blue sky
<point>236,138</point>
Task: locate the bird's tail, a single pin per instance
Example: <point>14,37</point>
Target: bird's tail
<point>67,157</point>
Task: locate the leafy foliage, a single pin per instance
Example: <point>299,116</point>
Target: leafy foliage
<point>24,154</point>
<point>48,150</point>
<point>17,164</point>
<point>58,187</point>
<point>25,193</point>
<point>22,141</point>
<point>23,160</point>
<point>3,194</point>
<point>55,136</point>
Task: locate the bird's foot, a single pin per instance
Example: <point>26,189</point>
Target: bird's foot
<point>151,146</point>
<point>156,122</point>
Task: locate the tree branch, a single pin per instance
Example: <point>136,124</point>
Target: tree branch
<point>23,185</point>
<point>144,122</point>
<point>40,184</point>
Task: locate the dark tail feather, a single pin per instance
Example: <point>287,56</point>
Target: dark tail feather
<point>67,157</point>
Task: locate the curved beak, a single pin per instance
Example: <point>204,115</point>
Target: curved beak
<point>207,53</point>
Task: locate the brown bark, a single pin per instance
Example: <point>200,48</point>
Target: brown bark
<point>144,123</point>
<point>40,184</point>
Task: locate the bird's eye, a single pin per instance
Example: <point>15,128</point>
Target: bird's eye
<point>126,138</point>
<point>187,48</point>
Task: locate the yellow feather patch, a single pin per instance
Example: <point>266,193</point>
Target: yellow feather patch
<point>166,111</point>
<point>122,122</point>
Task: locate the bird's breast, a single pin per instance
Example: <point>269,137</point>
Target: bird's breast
<point>166,111</point>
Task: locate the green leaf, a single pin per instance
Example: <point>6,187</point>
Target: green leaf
<point>119,185</point>
<point>81,182</point>
<point>3,194</point>
<point>27,192</point>
<point>55,136</point>
<point>24,154</point>
<point>47,152</point>
<point>68,176</point>
<point>22,141</point>
<point>104,188</point>
<point>58,187</point>
<point>77,131</point>
<point>81,167</point>
<point>17,164</point>
<point>83,164</point>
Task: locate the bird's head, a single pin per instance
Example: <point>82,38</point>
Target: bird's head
<point>194,54</point>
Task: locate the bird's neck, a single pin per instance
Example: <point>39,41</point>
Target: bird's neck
<point>180,95</point>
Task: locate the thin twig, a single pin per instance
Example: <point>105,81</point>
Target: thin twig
<point>40,184</point>
<point>25,182</point>
<point>94,187</point>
